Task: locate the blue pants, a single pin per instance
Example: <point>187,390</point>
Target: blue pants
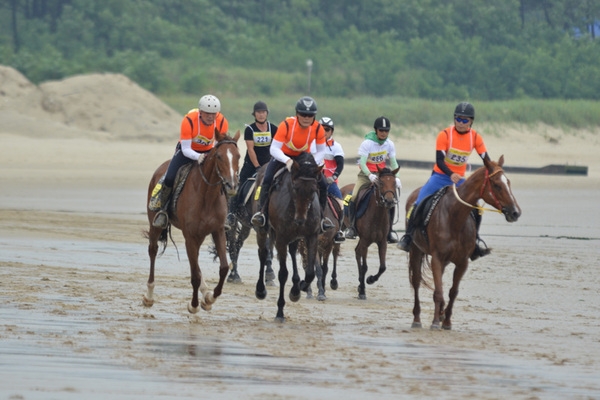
<point>435,182</point>
<point>334,190</point>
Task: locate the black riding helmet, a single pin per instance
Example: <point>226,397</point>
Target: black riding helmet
<point>326,121</point>
<point>260,106</point>
<point>464,109</point>
<point>306,105</point>
<point>382,124</point>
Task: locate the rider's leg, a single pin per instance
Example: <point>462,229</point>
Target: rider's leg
<point>406,239</point>
<point>326,223</point>
<point>478,251</point>
<point>392,236</point>
<point>161,195</point>
<point>259,219</point>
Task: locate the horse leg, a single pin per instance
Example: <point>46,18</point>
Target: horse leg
<point>283,275</point>
<point>270,276</point>
<point>438,291</point>
<point>314,266</point>
<point>336,253</point>
<point>415,263</point>
<point>234,254</point>
<point>304,258</point>
<point>382,246</point>
<point>148,299</point>
<point>295,290</point>
<point>323,259</point>
<point>192,246</point>
<point>361,261</point>
<point>263,251</point>
<point>209,297</point>
<point>459,272</point>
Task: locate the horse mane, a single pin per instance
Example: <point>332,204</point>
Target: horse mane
<point>306,165</point>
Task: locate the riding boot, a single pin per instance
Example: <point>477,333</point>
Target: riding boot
<point>159,201</point>
<point>351,231</point>
<point>478,251</point>
<point>339,236</point>
<point>406,239</point>
<point>259,219</point>
<point>326,223</point>
<point>392,236</point>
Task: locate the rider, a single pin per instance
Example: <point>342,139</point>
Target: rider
<point>258,137</point>
<point>452,149</point>
<point>334,164</point>
<point>197,137</point>
<point>373,152</point>
<point>294,137</point>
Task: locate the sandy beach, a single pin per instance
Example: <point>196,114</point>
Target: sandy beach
<point>74,264</point>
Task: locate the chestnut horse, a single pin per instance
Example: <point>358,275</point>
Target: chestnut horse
<point>294,213</point>
<point>450,235</point>
<point>374,225</point>
<point>200,210</point>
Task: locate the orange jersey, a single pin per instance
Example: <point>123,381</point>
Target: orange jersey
<point>458,147</point>
<point>296,139</point>
<point>201,135</point>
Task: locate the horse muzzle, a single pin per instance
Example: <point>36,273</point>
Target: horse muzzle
<point>511,214</point>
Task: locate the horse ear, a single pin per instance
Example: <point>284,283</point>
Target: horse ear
<point>320,169</point>
<point>378,169</point>
<point>237,136</point>
<point>501,160</point>
<point>396,171</point>
<point>218,135</point>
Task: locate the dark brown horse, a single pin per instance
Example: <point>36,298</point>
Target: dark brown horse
<point>374,225</point>
<point>200,210</point>
<point>294,213</point>
<point>451,235</point>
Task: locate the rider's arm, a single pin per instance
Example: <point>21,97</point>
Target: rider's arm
<point>186,149</point>
<point>339,160</point>
<point>363,165</point>
<point>277,153</point>
<point>319,152</point>
<point>440,157</point>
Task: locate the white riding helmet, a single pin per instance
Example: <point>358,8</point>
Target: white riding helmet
<point>209,104</point>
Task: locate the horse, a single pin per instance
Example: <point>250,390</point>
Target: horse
<point>294,213</point>
<point>373,226</point>
<point>326,247</point>
<point>240,231</point>
<point>450,235</point>
<point>199,210</point>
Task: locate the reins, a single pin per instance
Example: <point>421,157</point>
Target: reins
<point>485,183</point>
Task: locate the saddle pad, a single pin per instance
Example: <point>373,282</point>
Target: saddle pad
<point>180,179</point>
<point>363,201</point>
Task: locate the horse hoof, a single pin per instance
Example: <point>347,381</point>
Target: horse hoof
<point>209,298</point>
<point>333,285</point>
<point>294,295</point>
<point>281,320</point>
<point>261,295</point>
<point>270,282</point>
<point>270,276</point>
<point>234,279</point>
<point>416,325</point>
<point>371,280</point>
<point>362,296</point>
<point>446,327</point>
<point>321,297</point>
<point>435,327</point>
<point>309,295</point>
<point>193,310</point>
<point>147,302</point>
<point>205,306</point>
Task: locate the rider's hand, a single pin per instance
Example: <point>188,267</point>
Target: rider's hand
<point>398,183</point>
<point>330,180</point>
<point>288,164</point>
<point>201,158</point>
<point>373,178</point>
<point>455,177</point>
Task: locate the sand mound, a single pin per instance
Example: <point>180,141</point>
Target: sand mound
<point>103,106</point>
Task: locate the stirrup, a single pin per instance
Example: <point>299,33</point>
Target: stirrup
<point>404,243</point>
<point>259,220</point>
<point>479,251</point>
<point>161,220</point>
<point>339,237</point>
<point>326,224</point>
<point>392,237</point>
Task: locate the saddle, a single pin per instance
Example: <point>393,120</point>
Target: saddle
<point>422,213</point>
<point>180,179</point>
<point>362,202</point>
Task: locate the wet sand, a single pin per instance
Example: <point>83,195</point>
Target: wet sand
<point>73,268</point>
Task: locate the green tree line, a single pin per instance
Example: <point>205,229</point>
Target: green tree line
<point>428,49</point>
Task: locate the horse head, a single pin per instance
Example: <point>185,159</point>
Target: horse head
<point>386,185</point>
<point>304,175</point>
<point>227,159</point>
<point>497,192</point>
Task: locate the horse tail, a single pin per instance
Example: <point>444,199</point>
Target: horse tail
<point>421,266</point>
<point>164,235</point>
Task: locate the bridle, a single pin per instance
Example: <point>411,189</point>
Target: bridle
<point>486,183</point>
<point>381,198</point>
<point>221,180</point>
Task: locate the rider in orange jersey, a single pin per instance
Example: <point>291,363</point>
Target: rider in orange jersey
<point>197,137</point>
<point>453,147</point>
<point>294,137</point>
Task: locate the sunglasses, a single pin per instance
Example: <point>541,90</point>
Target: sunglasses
<point>305,115</point>
<point>327,129</point>
<point>462,120</point>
